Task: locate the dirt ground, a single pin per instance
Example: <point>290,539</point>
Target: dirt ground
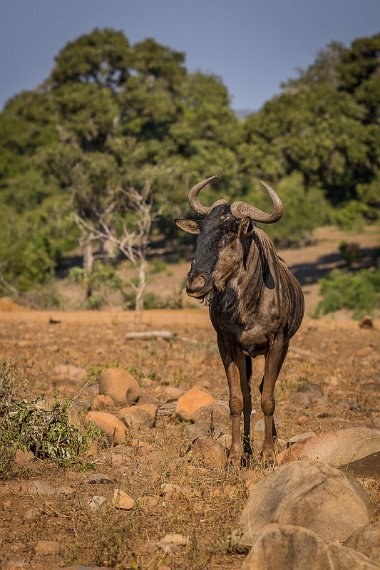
<point>338,357</point>
<point>330,380</point>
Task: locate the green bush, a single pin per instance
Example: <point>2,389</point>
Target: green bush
<point>359,292</point>
<point>34,426</point>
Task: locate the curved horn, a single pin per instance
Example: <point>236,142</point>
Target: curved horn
<point>244,210</point>
<point>195,203</point>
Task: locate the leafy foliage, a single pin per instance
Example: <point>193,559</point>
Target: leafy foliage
<point>358,292</point>
<point>112,115</point>
<point>33,426</point>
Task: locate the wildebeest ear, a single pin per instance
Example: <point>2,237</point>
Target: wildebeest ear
<point>190,226</point>
<point>246,227</point>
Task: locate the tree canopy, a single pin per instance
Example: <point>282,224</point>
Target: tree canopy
<point>112,115</point>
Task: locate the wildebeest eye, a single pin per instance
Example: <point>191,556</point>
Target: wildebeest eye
<point>226,239</point>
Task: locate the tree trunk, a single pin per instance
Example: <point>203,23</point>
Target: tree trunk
<point>88,263</point>
<point>139,301</point>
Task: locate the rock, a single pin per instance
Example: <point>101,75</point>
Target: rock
<point>335,448</point>
<point>150,408</point>
<point>148,502</point>
<point>191,402</point>
<point>309,494</point>
<point>208,452</point>
<point>225,440</point>
<point>38,488</point>
<point>170,491</point>
<point>282,547</point>
<point>99,479</point>
<point>301,399</point>
<point>110,424</point>
<point>31,514</point>
<point>364,352</point>
<point>211,421</point>
<point>96,502</point>
<point>101,403</point>
<point>367,541</point>
<point>134,417</point>
<point>120,385</point>
<point>167,409</point>
<point>23,457</point>
<point>47,547</point>
<point>122,500</point>
<point>366,322</point>
<point>171,393</point>
<point>68,372</point>
<point>368,466</point>
<point>300,437</point>
<point>175,539</point>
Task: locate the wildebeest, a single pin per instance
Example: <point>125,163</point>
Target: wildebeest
<point>256,304</point>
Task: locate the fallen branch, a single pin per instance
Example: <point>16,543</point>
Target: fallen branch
<point>148,334</point>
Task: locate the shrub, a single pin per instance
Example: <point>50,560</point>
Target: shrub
<point>350,252</point>
<point>34,426</point>
<point>358,292</point>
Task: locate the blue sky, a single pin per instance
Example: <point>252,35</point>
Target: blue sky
<point>253,45</point>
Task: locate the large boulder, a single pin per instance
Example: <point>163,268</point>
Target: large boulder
<point>191,402</point>
<point>367,540</point>
<point>113,428</point>
<point>283,547</point>
<point>120,385</point>
<point>335,448</point>
<point>309,494</point>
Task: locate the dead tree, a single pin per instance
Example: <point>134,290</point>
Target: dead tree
<point>126,224</point>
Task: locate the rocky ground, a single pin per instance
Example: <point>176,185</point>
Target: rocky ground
<point>153,498</point>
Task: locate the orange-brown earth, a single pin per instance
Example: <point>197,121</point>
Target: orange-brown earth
<point>338,356</point>
<point>333,360</point>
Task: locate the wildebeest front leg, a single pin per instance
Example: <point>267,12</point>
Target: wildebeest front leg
<point>273,362</point>
<point>232,357</point>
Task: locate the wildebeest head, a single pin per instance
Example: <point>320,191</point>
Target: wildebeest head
<point>222,238</point>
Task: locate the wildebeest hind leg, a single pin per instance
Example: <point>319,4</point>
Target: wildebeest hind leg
<point>245,369</point>
<point>273,363</point>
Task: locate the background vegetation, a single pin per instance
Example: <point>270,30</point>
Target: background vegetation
<point>112,116</point>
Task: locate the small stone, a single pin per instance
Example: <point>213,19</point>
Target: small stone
<point>110,424</point>
<point>302,420</point>
<point>225,440</point>
<point>47,547</point>
<point>99,479</point>
<point>259,426</point>
<point>175,539</point>
<point>122,500</point>
<point>31,514</point>
<point>366,322</point>
<point>191,402</point>
<point>364,352</point>
<point>170,491</point>
<point>23,457</point>
<point>120,385</point>
<point>208,452</point>
<point>102,403</point>
<point>65,372</point>
<point>171,393</point>
<point>96,502</point>
<point>301,399</point>
<point>135,418</point>
<point>148,502</point>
